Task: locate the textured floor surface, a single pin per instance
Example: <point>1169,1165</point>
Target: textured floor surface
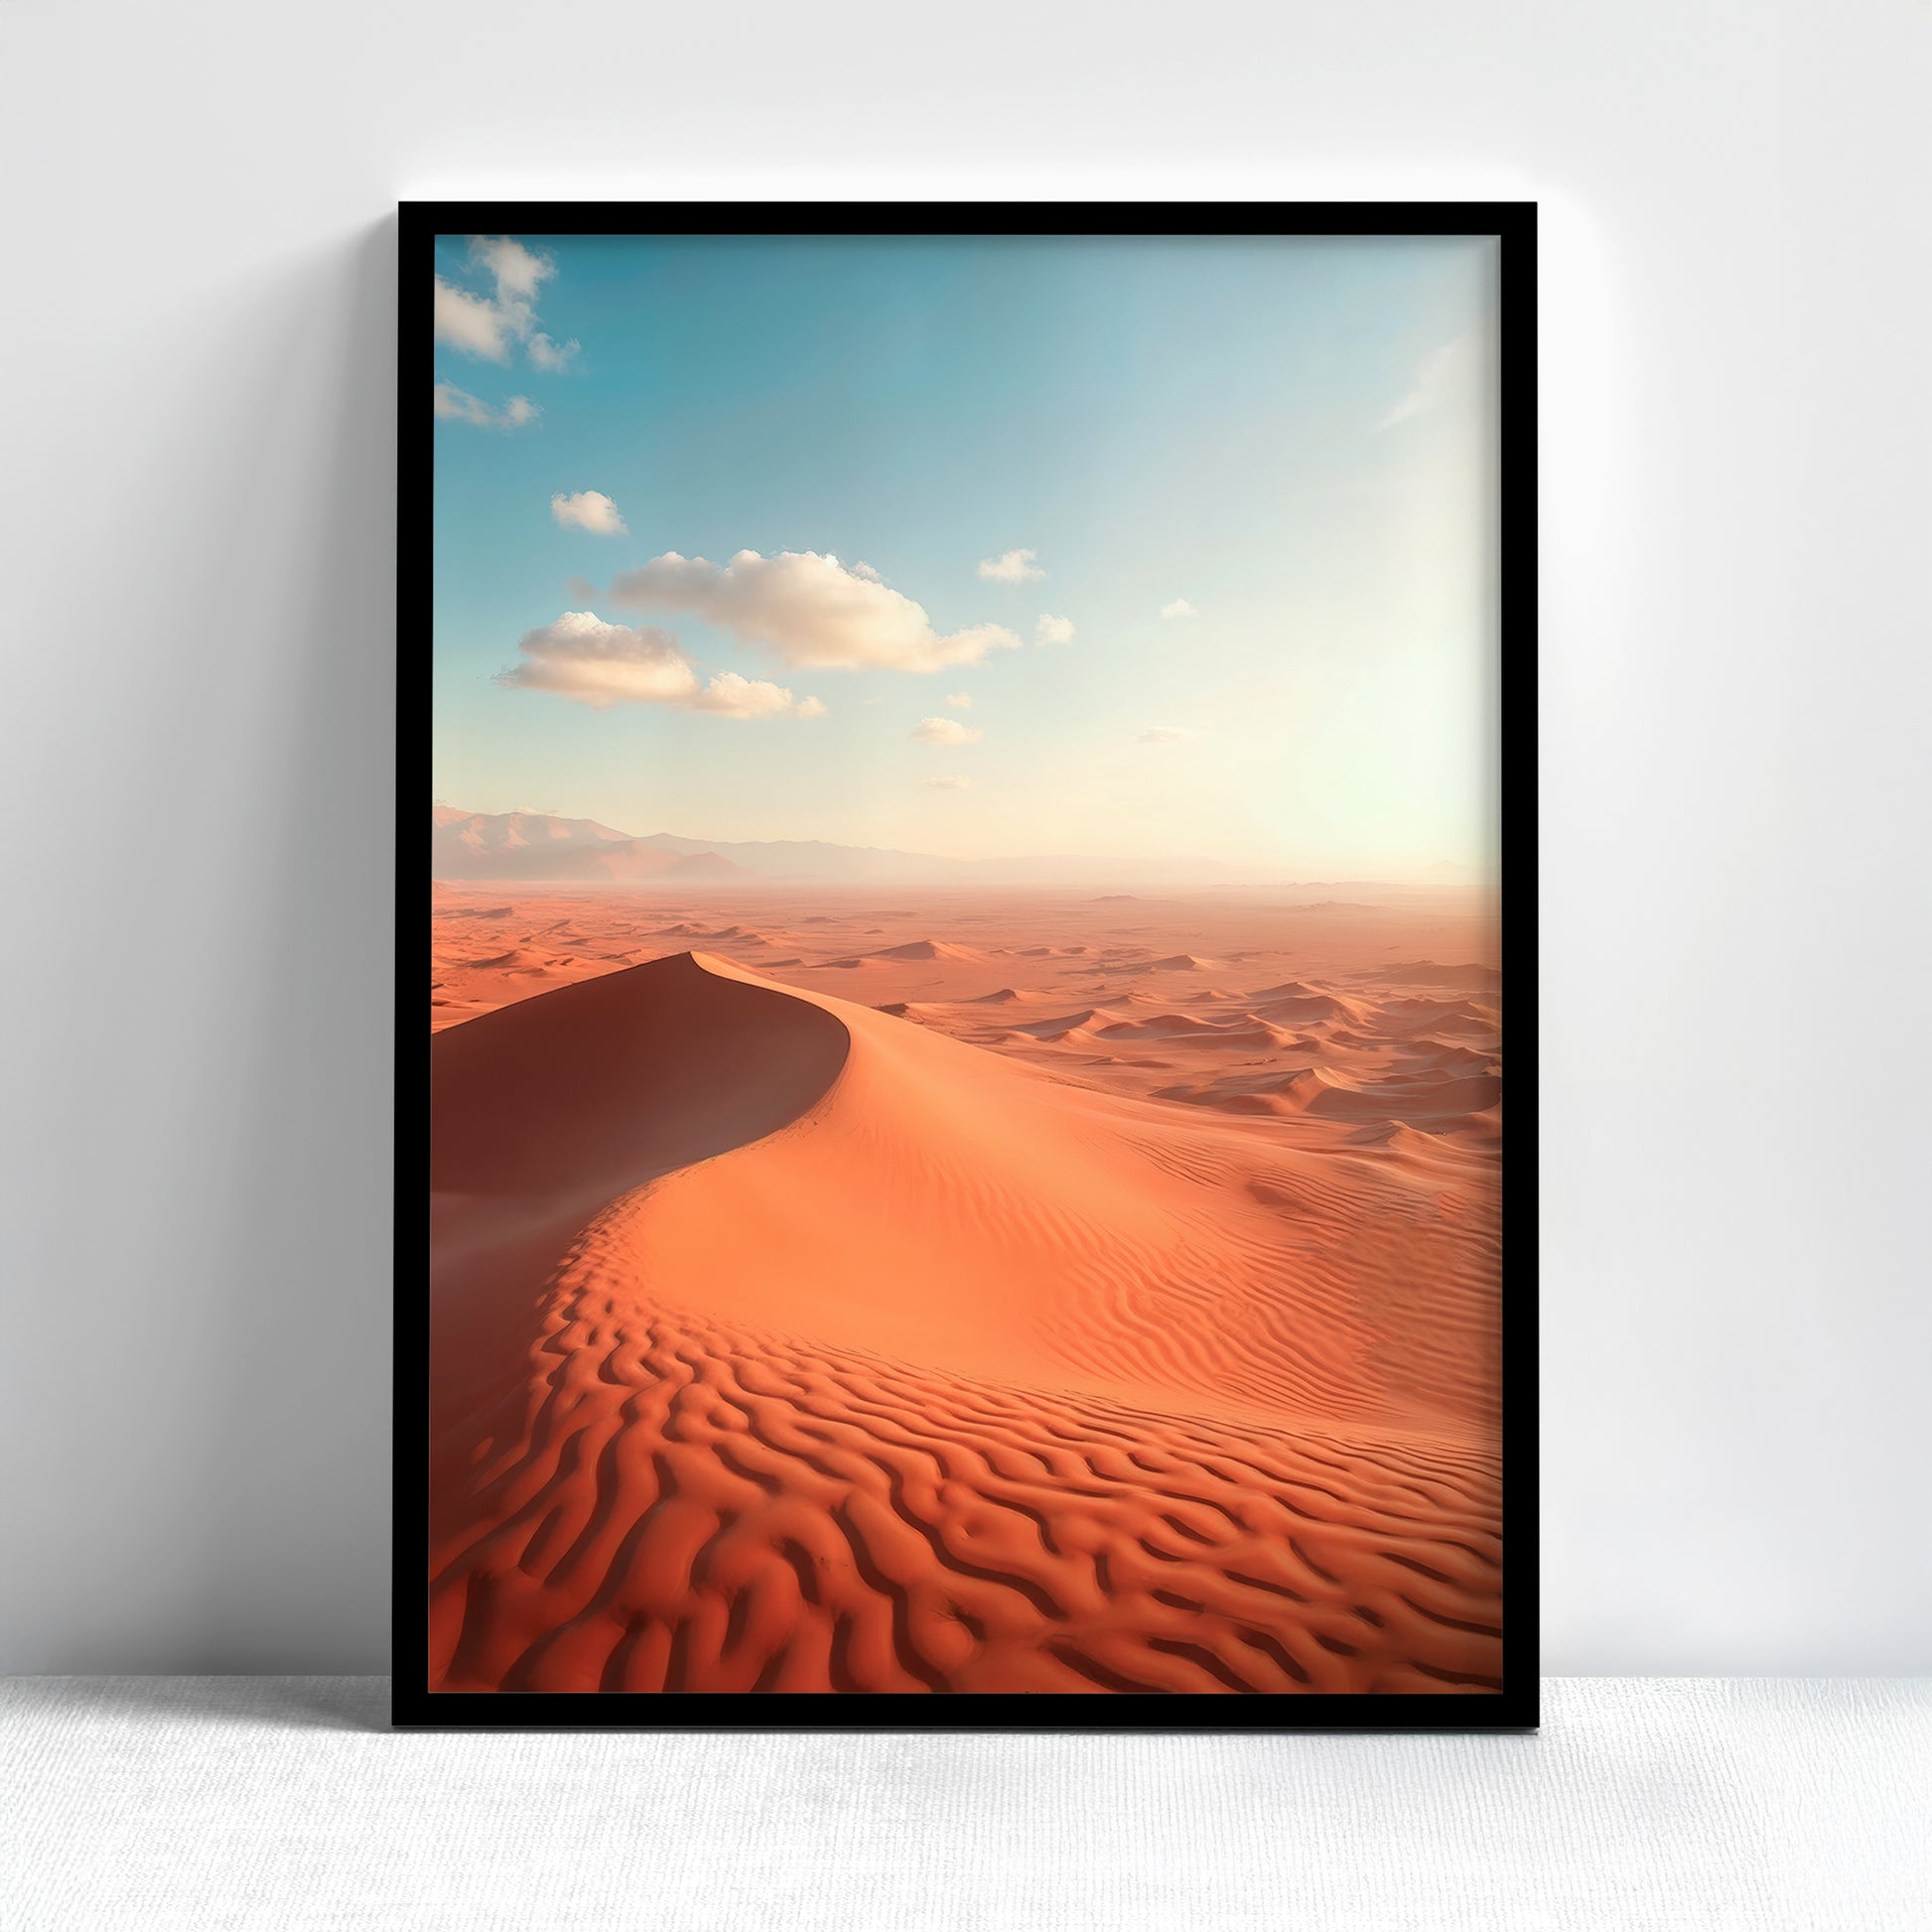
<point>1748,1804</point>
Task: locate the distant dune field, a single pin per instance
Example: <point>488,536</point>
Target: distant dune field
<point>927,1290</point>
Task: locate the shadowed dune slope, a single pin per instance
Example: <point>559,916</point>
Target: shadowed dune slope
<point>834,1354</point>
<point>599,1085</point>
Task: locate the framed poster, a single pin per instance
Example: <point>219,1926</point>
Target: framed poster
<point>958,1174</point>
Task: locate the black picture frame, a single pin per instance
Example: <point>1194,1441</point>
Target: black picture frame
<point>1512,1708</point>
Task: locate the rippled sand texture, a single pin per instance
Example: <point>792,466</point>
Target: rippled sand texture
<point>842,1301</point>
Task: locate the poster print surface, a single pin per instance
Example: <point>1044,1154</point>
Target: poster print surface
<point>963,1119</point>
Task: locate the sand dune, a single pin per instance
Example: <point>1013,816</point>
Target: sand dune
<point>1442,1016</point>
<point>1301,1005</point>
<point>929,949</point>
<point>1088,1024</point>
<point>1419,1101</point>
<point>1424,972</point>
<point>1181,962</point>
<point>1450,1057</point>
<point>782,1345</point>
<point>926,1014</point>
<point>1246,1029</point>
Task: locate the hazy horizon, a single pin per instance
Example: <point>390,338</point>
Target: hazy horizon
<point>1117,552</point>
<point>1080,867</point>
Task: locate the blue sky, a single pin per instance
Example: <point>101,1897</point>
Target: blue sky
<point>1288,439</point>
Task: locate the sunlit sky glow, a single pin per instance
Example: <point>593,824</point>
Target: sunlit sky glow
<point>986,548</point>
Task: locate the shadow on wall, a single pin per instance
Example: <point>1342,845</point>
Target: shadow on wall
<point>216,1492</point>
<point>306,1259</point>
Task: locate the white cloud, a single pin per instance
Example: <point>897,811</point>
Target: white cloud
<point>950,784</point>
<point>601,664</point>
<point>809,609</point>
<point>1445,376</point>
<point>516,271</point>
<point>944,731</point>
<point>1053,630</point>
<point>490,326</point>
<point>1166,734</point>
<point>459,405</point>
<point>471,323</point>
<point>580,656</point>
<point>1180,607</point>
<point>1010,567</point>
<point>960,700</point>
<point>550,356</point>
<point>589,509</point>
<point>733,696</point>
<point>868,573</point>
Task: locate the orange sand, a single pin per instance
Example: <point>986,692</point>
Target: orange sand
<point>1113,1311</point>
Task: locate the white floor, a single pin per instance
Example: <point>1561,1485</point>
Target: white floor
<point>1765,1804</point>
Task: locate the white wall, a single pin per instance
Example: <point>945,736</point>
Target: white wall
<point>197,708</point>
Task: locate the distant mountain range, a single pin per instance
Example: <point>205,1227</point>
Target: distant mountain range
<point>536,845</point>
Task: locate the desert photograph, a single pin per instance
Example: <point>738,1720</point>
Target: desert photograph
<point>965,968</point>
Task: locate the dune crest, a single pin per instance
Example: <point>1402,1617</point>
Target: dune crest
<point>931,949</point>
<point>782,1345</point>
